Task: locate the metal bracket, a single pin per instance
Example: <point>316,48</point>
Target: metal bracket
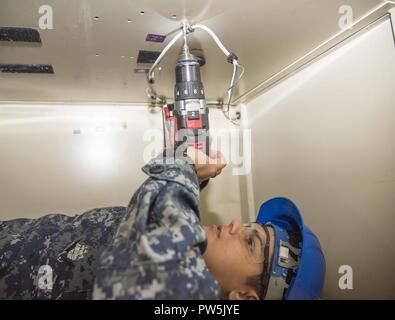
<point>285,259</point>
<point>186,27</point>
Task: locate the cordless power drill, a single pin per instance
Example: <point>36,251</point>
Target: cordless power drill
<point>186,121</point>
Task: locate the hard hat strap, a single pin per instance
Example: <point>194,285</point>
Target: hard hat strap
<point>266,272</point>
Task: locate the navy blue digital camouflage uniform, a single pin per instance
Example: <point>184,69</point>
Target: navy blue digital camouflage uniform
<point>151,249</point>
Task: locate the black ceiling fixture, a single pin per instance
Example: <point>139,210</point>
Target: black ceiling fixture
<point>26,68</point>
<point>18,34</point>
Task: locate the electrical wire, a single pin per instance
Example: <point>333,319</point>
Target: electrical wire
<point>235,64</point>
<point>168,46</point>
<point>150,77</point>
<point>214,36</point>
<point>230,90</point>
<point>238,65</point>
<point>230,93</point>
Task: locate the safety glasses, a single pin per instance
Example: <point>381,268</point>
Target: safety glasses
<point>255,239</point>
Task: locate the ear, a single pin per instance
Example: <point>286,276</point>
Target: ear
<point>243,295</point>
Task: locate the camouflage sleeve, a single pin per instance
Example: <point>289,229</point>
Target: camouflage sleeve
<point>157,251</point>
<point>66,248</point>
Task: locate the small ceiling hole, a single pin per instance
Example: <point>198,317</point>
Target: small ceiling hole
<point>174,16</point>
<point>142,12</point>
<point>96,18</point>
<point>96,54</point>
<point>130,20</point>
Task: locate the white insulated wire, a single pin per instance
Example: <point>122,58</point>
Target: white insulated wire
<point>169,45</point>
<point>181,33</point>
<point>214,36</point>
<point>230,93</point>
<point>235,66</point>
<point>230,90</point>
<point>223,49</point>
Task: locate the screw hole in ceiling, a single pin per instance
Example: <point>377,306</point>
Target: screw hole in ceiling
<point>142,12</point>
<point>96,54</point>
<point>96,18</point>
<point>174,16</point>
<point>130,20</point>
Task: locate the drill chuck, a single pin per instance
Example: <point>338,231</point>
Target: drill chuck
<point>188,83</point>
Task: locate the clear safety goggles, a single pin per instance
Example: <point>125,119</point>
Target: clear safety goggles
<point>255,237</point>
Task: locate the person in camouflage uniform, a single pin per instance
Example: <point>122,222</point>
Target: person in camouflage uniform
<point>155,248</point>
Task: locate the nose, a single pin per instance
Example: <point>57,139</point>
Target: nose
<point>235,226</point>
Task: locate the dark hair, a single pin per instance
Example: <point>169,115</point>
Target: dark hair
<point>256,283</point>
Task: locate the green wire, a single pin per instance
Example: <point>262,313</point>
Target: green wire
<point>240,76</point>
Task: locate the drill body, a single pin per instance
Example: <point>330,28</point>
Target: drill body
<point>190,110</point>
<point>187,120</point>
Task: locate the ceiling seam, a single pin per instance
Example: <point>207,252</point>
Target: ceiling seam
<point>314,53</point>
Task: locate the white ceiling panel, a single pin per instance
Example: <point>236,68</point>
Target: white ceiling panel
<point>94,59</point>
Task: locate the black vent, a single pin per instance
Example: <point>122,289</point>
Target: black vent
<point>147,56</point>
<point>19,34</point>
<point>26,68</point>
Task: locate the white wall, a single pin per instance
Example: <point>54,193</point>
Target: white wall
<point>326,138</point>
<point>47,168</point>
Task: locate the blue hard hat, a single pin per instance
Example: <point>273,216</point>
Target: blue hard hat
<point>297,268</point>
